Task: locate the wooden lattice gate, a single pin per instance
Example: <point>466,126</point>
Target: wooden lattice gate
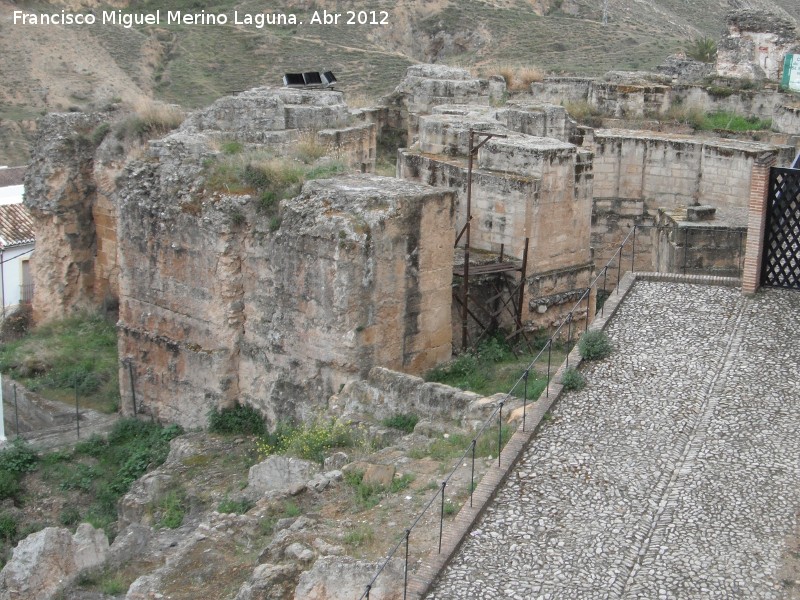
<point>781,264</point>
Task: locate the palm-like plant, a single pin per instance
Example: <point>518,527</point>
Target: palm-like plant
<point>703,49</point>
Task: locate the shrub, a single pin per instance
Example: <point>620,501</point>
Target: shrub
<point>172,511</point>
<point>9,485</point>
<point>69,516</point>
<point>238,507</point>
<point>19,457</point>
<point>403,421</point>
<point>594,345</point>
<point>232,147</point>
<point>703,49</point>
<point>8,526</point>
<point>306,441</point>
<point>573,380</point>
<point>237,420</point>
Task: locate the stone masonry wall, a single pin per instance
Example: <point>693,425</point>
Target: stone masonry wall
<point>216,310</point>
<point>523,185</point>
<point>59,193</point>
<point>672,170</point>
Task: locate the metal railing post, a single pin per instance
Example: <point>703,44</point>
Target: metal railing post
<point>77,411</point>
<point>133,385</point>
<point>499,433</point>
<point>633,250</point>
<point>549,356</point>
<point>525,398</point>
<point>472,475</point>
<point>441,518</point>
<point>405,570</point>
<point>16,411</point>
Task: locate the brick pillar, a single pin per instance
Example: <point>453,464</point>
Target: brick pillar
<point>756,219</point>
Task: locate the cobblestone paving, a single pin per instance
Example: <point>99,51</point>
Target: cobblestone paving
<point>674,474</point>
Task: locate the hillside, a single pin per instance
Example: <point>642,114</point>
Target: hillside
<point>59,68</point>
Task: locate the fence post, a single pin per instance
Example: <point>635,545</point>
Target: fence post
<point>633,249</point>
<point>472,475</point>
<point>569,337</point>
<point>549,355</point>
<point>133,385</point>
<point>405,571</point>
<point>685,248</point>
<point>77,411</point>
<point>16,411</point>
<point>603,306</point>
<point>499,433</point>
<point>525,398</point>
<point>588,301</point>
<point>441,518</point>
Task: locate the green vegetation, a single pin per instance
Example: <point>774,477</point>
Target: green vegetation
<point>572,379</point>
<point>237,420</point>
<point>703,49</point>
<point>93,476</point>
<point>585,113</point>
<point>368,495</point>
<point>238,507</point>
<point>492,369</point>
<point>308,441</point>
<point>55,359</point>
<point>172,510</point>
<point>594,345</point>
<point>405,422</point>
<point>360,535</point>
<point>269,179</point>
<point>724,121</point>
<point>15,461</point>
<point>453,446</point>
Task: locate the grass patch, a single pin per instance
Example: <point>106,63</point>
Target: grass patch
<point>725,121</point>
<point>55,360</point>
<point>404,422</point>
<point>172,510</point>
<point>454,446</point>
<point>492,369</point>
<point>238,507</point>
<point>307,441</point>
<point>360,535</point>
<point>368,495</point>
<point>95,475</point>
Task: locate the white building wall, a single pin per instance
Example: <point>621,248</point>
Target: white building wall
<point>12,272</point>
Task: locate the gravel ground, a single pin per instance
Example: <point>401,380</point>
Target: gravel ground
<point>674,474</point>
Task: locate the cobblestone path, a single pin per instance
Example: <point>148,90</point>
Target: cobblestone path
<point>674,474</point>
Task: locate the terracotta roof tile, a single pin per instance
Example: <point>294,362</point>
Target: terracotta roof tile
<point>16,225</point>
<point>12,176</point>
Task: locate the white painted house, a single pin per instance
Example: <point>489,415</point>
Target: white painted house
<point>16,241</point>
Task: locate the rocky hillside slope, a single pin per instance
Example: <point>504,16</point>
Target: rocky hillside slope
<point>53,68</point>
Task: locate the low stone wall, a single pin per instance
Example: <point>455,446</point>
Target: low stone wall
<point>699,248</point>
<point>786,119</point>
<point>33,412</point>
<point>385,393</point>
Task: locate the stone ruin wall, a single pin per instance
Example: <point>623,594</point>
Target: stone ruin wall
<point>533,184</point>
<point>698,248</point>
<point>646,99</point>
<point>71,187</point>
<point>228,337</point>
<point>755,45</point>
<point>60,191</point>
<point>214,310</point>
<point>636,173</point>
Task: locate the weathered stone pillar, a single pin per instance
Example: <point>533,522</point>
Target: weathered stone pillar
<point>756,221</point>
